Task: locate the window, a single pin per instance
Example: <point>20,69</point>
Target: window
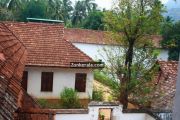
<point>46,81</point>
<point>80,82</point>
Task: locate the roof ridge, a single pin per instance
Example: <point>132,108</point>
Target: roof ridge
<point>86,29</point>
<point>35,23</point>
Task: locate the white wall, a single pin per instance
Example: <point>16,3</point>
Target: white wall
<point>96,51</point>
<point>93,114</point>
<point>119,116</point>
<point>148,117</point>
<point>163,54</point>
<point>72,117</point>
<point>136,116</point>
<point>61,78</point>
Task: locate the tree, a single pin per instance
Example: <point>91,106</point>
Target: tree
<point>14,4</point>
<point>135,19</point>
<point>54,10</point>
<point>90,5</point>
<point>171,38</point>
<point>9,9</point>
<point>94,21</point>
<point>66,10</point>
<point>33,9</point>
<point>6,14</point>
<point>3,3</point>
<point>79,13</point>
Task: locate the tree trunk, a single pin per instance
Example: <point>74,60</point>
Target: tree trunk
<point>127,76</point>
<point>123,94</point>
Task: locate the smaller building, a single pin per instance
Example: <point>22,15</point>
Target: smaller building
<point>94,43</point>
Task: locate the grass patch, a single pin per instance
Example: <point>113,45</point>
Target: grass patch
<point>44,103</point>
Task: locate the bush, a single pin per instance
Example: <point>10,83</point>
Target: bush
<point>97,95</point>
<point>69,99</point>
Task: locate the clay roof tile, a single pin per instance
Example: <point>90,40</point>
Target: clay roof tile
<point>46,44</point>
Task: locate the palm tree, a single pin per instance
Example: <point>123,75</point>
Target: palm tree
<point>66,9</point>
<point>82,10</point>
<point>59,9</point>
<point>79,13</point>
<point>15,5</point>
<point>90,5</point>
<point>56,10</point>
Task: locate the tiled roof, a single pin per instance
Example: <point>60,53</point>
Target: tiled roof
<point>76,35</point>
<point>166,85</point>
<point>12,61</point>
<point>46,44</point>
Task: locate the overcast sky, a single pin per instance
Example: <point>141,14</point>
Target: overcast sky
<point>108,3</point>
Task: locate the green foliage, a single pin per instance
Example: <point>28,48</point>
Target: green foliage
<point>171,38</point>
<point>69,98</point>
<point>97,95</point>
<point>73,16</point>
<point>33,9</point>
<point>101,116</point>
<point>94,21</point>
<point>135,19</point>
<point>6,14</point>
<point>66,10</point>
<point>110,99</point>
<point>104,77</point>
<point>79,14</point>
<point>43,103</point>
<point>59,10</point>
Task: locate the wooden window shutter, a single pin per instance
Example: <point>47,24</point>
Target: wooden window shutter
<point>80,82</point>
<point>47,81</point>
<point>24,80</point>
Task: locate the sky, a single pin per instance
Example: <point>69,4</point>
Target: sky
<point>108,3</point>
